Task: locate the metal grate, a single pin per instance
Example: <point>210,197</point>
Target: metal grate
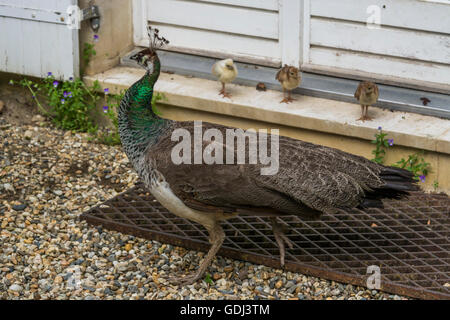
<point>408,240</point>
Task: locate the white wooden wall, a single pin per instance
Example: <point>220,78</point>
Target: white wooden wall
<point>412,43</point>
<point>250,30</point>
<point>327,36</point>
<point>35,40</point>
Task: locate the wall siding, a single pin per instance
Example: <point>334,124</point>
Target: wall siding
<point>248,31</point>
<point>411,44</point>
<point>33,47</point>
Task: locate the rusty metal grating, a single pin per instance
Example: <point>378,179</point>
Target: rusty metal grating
<point>408,240</point>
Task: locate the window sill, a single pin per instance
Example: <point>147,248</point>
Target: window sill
<point>318,114</point>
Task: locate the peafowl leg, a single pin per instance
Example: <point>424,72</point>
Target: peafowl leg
<point>281,239</point>
<point>223,92</point>
<point>366,114</point>
<point>290,99</point>
<point>363,114</point>
<point>285,100</point>
<point>216,237</point>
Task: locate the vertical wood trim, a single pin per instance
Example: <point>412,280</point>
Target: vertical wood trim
<point>139,19</point>
<point>75,48</point>
<point>289,30</point>
<point>305,33</point>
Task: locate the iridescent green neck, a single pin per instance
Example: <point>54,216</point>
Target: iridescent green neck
<point>139,126</point>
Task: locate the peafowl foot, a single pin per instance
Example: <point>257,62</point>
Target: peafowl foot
<point>281,239</point>
<point>185,280</point>
<point>365,118</point>
<point>225,94</point>
<point>216,237</point>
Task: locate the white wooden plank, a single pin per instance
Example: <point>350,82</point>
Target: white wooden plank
<point>139,20</point>
<point>13,49</point>
<point>34,48</point>
<point>210,16</point>
<point>17,11</point>
<point>386,41</point>
<point>414,14</point>
<point>31,44</point>
<point>381,65</point>
<point>218,44</point>
<point>290,32</point>
<point>271,5</point>
<point>305,34</point>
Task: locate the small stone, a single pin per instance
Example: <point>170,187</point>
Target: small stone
<point>19,207</point>
<point>261,86</point>
<point>185,292</point>
<point>15,288</point>
<point>292,289</point>
<point>2,106</point>
<point>228,269</point>
<point>335,292</point>
<point>28,134</point>
<point>58,192</point>
<point>38,118</point>
<point>8,187</point>
<point>216,276</point>
<point>58,279</point>
<point>128,246</point>
<point>279,284</point>
<point>108,291</point>
<point>132,288</point>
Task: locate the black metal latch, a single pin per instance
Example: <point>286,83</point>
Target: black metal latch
<point>92,13</point>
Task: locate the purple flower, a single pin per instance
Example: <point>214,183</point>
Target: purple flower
<point>96,37</point>
<point>105,109</point>
<point>49,74</point>
<point>55,83</point>
<point>70,94</point>
<point>106,90</point>
<point>66,94</point>
<point>379,128</point>
<point>422,178</point>
<point>34,97</point>
<point>391,142</point>
<point>62,101</point>
<point>71,79</point>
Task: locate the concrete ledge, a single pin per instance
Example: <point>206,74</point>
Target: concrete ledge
<point>407,129</point>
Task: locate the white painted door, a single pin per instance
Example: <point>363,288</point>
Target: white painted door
<point>35,38</point>
<point>411,43</point>
<point>256,31</point>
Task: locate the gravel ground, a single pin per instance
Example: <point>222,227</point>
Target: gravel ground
<point>49,177</point>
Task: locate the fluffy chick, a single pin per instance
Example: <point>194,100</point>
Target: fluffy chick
<point>367,94</point>
<point>290,79</point>
<point>226,72</point>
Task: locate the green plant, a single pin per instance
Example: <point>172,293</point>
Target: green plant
<point>416,164</point>
<point>381,143</point>
<point>435,185</point>
<point>89,52</point>
<point>110,136</point>
<point>71,102</point>
<point>208,279</point>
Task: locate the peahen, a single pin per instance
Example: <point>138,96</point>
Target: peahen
<point>311,179</point>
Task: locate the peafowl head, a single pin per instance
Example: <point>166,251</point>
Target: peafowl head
<point>148,56</point>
